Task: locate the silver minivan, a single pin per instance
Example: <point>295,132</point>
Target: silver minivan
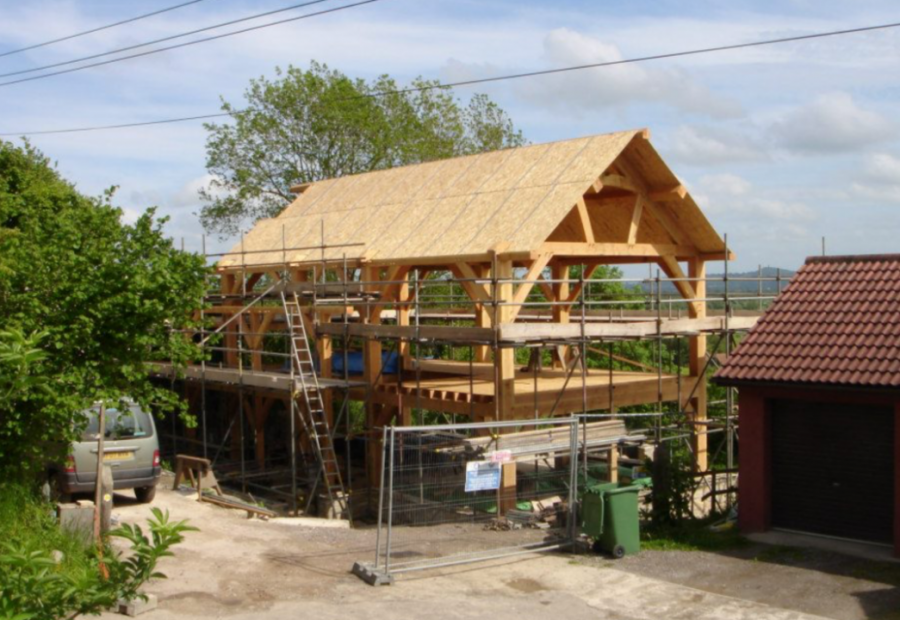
<point>131,449</point>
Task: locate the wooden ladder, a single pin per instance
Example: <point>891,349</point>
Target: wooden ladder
<point>306,383</point>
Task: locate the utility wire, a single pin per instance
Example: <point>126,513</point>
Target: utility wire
<point>162,40</point>
<point>98,29</point>
<point>189,43</point>
<point>499,78</point>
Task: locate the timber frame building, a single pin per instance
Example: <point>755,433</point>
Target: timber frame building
<point>504,228</point>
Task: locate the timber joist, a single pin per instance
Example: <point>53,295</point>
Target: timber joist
<point>516,333</point>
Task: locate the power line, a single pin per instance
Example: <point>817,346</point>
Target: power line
<point>162,40</point>
<point>98,29</point>
<point>189,43</point>
<point>499,78</point>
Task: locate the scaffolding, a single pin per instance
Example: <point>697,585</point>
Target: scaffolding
<point>445,336</point>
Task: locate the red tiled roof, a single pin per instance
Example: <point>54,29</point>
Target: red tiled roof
<point>837,323</point>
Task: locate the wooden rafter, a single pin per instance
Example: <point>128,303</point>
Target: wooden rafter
<point>669,195</point>
<point>537,266</point>
<point>635,219</point>
<point>672,269</point>
<point>476,291</point>
<point>619,181</point>
<point>575,292</point>
<point>587,228</point>
<point>546,288</point>
<point>638,186</point>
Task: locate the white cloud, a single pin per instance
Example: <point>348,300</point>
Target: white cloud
<point>617,85</point>
<point>833,123</point>
<point>188,195</point>
<point>879,178</point>
<point>735,197</point>
<point>708,146</point>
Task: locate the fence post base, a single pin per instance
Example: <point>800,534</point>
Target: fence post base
<point>371,575</point>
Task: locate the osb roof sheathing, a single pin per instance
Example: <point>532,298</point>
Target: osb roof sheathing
<point>462,206</point>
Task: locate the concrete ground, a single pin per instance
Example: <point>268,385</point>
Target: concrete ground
<point>239,568</point>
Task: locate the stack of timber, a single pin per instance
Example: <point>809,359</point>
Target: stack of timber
<point>553,439</point>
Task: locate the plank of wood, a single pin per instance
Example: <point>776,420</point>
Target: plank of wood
<point>635,220</point>
<point>586,227</point>
<point>409,332</point>
<point>476,291</point>
<point>599,250</point>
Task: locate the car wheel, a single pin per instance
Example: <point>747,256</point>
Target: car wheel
<point>145,495</point>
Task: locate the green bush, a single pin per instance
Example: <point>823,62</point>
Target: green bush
<point>47,574</point>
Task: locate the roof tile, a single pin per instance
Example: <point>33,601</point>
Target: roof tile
<point>837,322</point>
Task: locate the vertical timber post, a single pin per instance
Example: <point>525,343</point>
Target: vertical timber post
<point>371,371</point>
<point>697,364</point>
<point>505,371</point>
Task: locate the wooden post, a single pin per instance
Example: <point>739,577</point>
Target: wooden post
<point>325,351</point>
<point>482,318</point>
<point>404,361</point>
<point>613,463</point>
<point>697,362</point>
<point>371,370</point>
<point>505,372</point>
<point>560,313</point>
<point>231,331</point>
<point>505,360</point>
<point>508,495</point>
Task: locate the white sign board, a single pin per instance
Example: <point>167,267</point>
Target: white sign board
<point>482,476</point>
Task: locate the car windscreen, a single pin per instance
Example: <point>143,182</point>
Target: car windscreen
<point>130,423</point>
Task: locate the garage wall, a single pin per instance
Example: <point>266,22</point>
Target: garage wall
<point>755,460</point>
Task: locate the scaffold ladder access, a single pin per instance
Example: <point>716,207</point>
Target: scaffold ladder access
<point>306,386</point>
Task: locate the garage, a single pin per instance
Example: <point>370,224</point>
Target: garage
<point>818,382</point>
<point>833,469</point>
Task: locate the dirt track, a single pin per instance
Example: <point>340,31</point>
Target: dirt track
<point>243,568</point>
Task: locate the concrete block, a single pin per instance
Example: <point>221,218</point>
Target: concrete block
<point>138,606</point>
<point>77,519</point>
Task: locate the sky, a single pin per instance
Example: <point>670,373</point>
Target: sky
<point>779,145</point>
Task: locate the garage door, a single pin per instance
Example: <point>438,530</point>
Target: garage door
<point>833,469</point>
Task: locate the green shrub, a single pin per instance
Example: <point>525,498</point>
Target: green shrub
<point>47,574</point>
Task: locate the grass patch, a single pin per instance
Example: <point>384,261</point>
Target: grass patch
<point>28,523</point>
<point>690,536</point>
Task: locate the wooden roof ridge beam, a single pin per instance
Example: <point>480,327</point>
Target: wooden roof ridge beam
<point>537,266</point>
<point>672,269</point>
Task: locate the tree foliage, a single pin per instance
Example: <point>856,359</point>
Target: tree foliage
<point>86,300</point>
<point>313,124</point>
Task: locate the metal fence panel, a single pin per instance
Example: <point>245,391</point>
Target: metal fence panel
<point>460,493</point>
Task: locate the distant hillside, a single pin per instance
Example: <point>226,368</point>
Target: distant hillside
<point>738,282</point>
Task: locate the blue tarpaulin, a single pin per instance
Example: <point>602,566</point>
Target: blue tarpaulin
<point>355,362</point>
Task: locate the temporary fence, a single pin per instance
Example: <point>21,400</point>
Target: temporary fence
<point>460,493</point>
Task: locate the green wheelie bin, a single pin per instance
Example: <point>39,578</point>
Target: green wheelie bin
<point>609,515</point>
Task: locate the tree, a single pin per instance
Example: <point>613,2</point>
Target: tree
<point>316,124</point>
<point>86,301</point>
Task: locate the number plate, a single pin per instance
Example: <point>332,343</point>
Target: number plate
<point>121,455</point>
